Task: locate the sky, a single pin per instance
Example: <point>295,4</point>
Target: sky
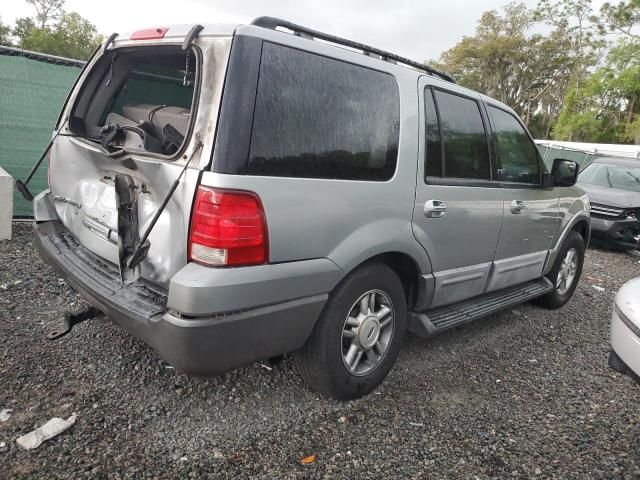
<point>419,30</point>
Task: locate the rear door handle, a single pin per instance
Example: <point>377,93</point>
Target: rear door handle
<point>435,209</point>
<point>517,206</point>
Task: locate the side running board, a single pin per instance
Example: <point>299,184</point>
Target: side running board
<point>440,319</point>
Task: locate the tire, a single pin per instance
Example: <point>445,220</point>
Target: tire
<point>323,360</point>
<point>560,296</point>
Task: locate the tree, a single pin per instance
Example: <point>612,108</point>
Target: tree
<point>622,18</point>
<point>607,108</point>
<point>5,34</point>
<point>503,59</point>
<point>47,11</point>
<point>574,20</point>
<point>22,29</point>
<point>73,36</point>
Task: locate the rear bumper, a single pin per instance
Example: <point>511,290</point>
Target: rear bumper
<point>621,233</point>
<point>204,345</point>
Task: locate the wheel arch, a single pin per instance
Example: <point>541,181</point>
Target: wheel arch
<point>581,223</point>
<point>583,227</point>
<point>404,265</point>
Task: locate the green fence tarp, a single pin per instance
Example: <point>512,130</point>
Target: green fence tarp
<point>32,91</point>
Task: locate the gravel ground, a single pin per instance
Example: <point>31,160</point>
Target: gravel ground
<point>525,394</point>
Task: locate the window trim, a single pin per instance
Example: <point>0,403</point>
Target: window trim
<point>491,182</point>
<point>540,163</point>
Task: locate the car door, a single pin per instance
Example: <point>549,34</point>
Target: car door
<point>531,213</point>
<point>458,205</point>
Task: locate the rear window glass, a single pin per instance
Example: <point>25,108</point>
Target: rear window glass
<point>318,117</point>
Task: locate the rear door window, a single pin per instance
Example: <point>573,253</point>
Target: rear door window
<point>435,160</point>
<point>517,154</point>
<point>318,117</point>
<point>466,150</point>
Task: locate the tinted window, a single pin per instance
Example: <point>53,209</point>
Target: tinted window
<point>466,150</point>
<point>434,165</point>
<point>517,154</point>
<point>322,118</point>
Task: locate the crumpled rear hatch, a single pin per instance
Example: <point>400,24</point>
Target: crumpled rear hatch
<point>129,130</point>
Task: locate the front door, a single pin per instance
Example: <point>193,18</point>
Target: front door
<point>531,214</point>
<point>458,206</point>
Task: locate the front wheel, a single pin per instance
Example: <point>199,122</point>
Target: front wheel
<point>358,335</point>
<point>565,273</point>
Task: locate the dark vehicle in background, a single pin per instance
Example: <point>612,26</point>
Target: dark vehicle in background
<point>613,187</point>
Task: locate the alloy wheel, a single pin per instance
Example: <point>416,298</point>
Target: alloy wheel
<point>367,332</point>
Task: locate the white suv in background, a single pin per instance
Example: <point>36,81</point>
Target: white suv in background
<point>625,330</point>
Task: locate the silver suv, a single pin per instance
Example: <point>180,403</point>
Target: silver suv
<point>234,193</point>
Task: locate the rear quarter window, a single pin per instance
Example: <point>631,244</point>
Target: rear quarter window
<point>317,117</point>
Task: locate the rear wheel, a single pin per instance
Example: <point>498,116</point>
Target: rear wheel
<point>565,273</point>
<point>358,335</point>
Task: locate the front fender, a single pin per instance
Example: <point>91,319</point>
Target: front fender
<point>572,211</point>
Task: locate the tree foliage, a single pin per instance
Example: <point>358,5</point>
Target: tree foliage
<point>72,36</point>
<point>47,11</point>
<point>574,82</point>
<point>53,31</point>
<point>5,34</point>
<point>503,59</point>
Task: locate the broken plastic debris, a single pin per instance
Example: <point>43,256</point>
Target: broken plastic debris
<point>308,459</point>
<point>5,414</point>
<point>416,424</point>
<point>266,367</point>
<point>598,288</point>
<point>53,427</point>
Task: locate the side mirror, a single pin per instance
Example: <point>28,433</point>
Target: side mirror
<point>564,173</point>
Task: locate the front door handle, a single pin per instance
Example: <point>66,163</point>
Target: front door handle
<point>435,209</point>
<point>517,206</point>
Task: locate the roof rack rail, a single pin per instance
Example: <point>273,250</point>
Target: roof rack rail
<point>273,23</point>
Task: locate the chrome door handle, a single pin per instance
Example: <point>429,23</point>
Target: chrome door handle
<point>517,206</point>
<point>435,209</point>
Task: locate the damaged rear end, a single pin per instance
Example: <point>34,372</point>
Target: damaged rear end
<point>142,110</point>
<point>131,142</point>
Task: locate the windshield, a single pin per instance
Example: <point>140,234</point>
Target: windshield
<point>613,176</point>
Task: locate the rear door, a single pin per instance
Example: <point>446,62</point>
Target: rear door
<point>531,214</point>
<point>458,206</point>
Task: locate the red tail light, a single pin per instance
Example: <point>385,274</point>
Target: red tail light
<point>228,228</point>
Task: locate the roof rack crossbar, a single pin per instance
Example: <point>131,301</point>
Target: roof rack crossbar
<point>273,23</point>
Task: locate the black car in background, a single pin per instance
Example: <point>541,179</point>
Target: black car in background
<point>613,186</point>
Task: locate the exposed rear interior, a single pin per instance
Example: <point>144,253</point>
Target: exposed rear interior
<point>138,99</point>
